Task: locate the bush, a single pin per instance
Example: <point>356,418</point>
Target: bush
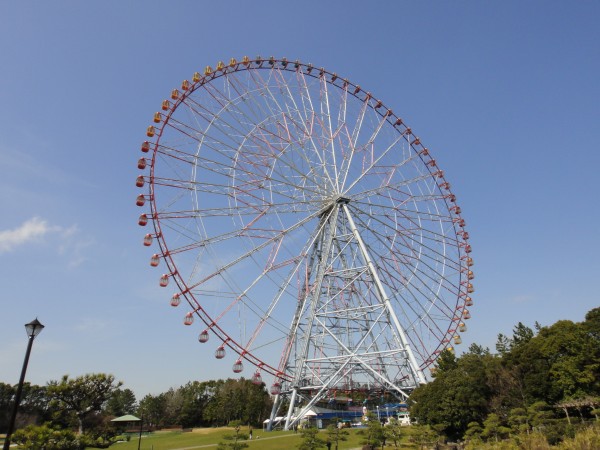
<point>46,438</point>
<point>588,439</point>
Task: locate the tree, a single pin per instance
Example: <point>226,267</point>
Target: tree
<point>423,436</point>
<point>503,344</point>
<point>493,428</point>
<point>335,434</point>
<point>35,403</point>
<point>561,362</point>
<point>574,360</point>
<point>173,405</point>
<point>473,432</point>
<point>538,415</point>
<point>476,349</point>
<point>455,397</point>
<point>518,419</point>
<point>121,402</point>
<point>592,324</point>
<point>521,334</point>
<point>33,408</point>
<point>373,434</point>
<point>446,362</point>
<point>7,394</point>
<point>151,409</point>
<point>84,395</point>
<point>194,399</point>
<point>258,402</point>
<point>229,400</point>
<point>310,439</point>
<point>212,413</point>
<point>394,432</point>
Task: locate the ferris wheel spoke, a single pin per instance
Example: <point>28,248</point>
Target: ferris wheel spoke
<point>249,211</point>
<point>369,146</point>
<point>411,217</point>
<point>248,254</point>
<point>370,168</point>
<point>303,153</point>
<point>425,278</point>
<point>309,118</point>
<point>431,295</point>
<point>343,103</point>
<point>330,136</point>
<point>386,189</point>
<point>257,310</point>
<point>270,101</point>
<point>177,155</point>
<point>233,108</point>
<point>434,273</point>
<point>353,139</point>
<point>209,143</point>
<point>268,314</point>
<point>221,168</point>
<point>250,160</point>
<point>232,113</point>
<point>300,124</point>
<point>223,121</point>
<point>435,243</point>
<point>398,216</point>
<point>285,117</point>
<point>242,105</point>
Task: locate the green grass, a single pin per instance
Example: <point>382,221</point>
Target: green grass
<point>210,437</point>
<point>176,440</point>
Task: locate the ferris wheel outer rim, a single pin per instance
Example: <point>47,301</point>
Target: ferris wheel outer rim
<point>458,224</point>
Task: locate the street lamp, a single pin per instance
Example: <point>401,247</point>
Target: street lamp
<point>33,328</point>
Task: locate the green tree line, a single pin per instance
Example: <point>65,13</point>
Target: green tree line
<point>544,380</point>
<point>208,403</point>
<point>80,409</point>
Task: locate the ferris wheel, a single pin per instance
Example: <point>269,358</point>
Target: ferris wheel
<point>306,229</point>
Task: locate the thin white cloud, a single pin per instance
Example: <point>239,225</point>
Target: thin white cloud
<point>73,246</point>
<point>78,252</point>
<point>69,242</point>
<point>30,231</point>
<point>100,329</point>
<point>523,298</point>
<point>91,325</point>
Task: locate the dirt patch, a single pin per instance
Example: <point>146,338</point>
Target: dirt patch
<point>210,430</point>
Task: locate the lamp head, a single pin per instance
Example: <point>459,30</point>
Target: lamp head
<point>33,328</point>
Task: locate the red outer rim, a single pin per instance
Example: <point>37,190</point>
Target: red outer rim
<point>357,92</point>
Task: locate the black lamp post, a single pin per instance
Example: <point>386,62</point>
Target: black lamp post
<point>33,328</point>
<point>141,429</point>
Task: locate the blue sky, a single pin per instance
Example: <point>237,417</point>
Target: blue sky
<point>504,94</point>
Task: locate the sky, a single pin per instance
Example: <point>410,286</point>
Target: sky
<point>506,96</point>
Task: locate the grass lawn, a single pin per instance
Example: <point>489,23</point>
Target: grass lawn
<point>207,438</point>
<point>210,437</point>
